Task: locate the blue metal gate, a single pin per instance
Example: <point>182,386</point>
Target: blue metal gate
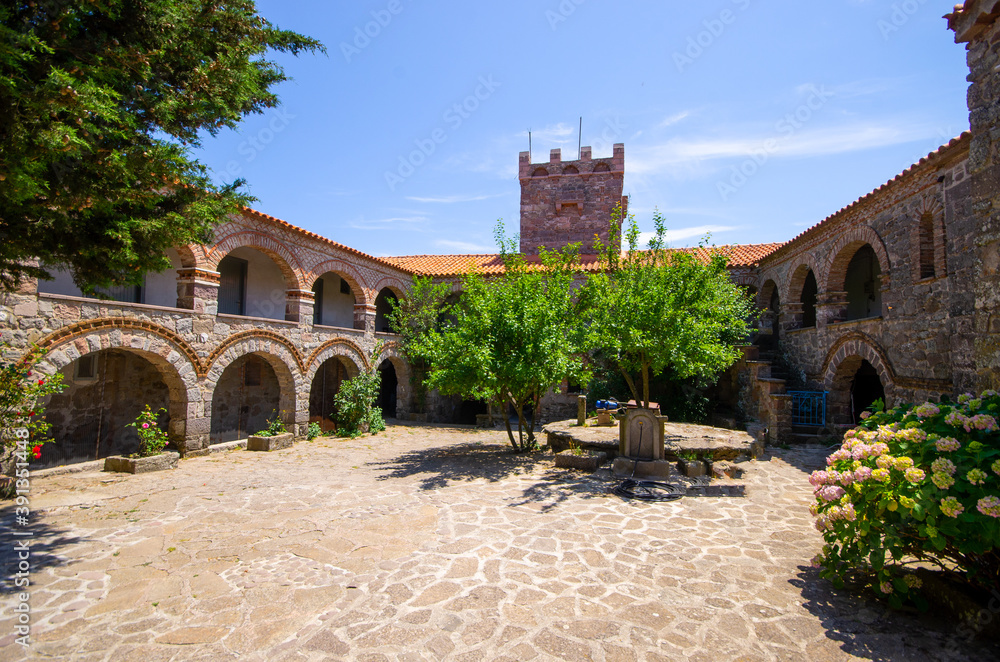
<point>808,408</point>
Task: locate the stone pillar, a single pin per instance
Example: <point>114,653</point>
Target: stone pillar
<point>364,317</point>
<point>581,409</point>
<point>198,290</point>
<point>791,315</point>
<point>976,25</point>
<point>830,307</point>
<point>299,306</point>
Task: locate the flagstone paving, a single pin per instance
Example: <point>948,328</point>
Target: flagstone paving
<point>433,543</point>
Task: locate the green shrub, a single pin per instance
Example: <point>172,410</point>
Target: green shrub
<point>313,431</point>
<point>274,428</point>
<point>152,440</point>
<point>356,412</point>
<point>913,484</point>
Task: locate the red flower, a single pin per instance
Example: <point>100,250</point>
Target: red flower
<point>36,452</point>
<point>41,381</point>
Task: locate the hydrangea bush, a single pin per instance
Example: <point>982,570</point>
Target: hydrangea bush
<point>913,484</point>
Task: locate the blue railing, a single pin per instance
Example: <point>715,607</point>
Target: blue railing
<point>808,407</point>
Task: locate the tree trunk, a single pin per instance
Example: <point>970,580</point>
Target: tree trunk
<point>645,385</point>
<point>631,384</point>
<point>506,421</point>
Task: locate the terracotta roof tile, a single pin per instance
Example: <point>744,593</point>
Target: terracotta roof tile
<point>456,265</point>
<point>953,146</point>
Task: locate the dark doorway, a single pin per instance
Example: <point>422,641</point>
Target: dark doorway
<point>866,388</point>
<point>810,292</point>
<point>774,308</point>
<point>326,385</point>
<point>470,409</point>
<point>387,389</point>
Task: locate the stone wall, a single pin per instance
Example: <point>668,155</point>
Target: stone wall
<point>921,340</point>
<point>90,417</point>
<point>976,24</point>
<point>567,202</point>
<point>190,346</point>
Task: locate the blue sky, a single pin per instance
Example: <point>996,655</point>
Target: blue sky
<point>406,142</point>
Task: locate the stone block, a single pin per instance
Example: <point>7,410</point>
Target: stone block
<point>275,443</point>
<point>583,460</point>
<point>141,465</point>
<point>623,466</point>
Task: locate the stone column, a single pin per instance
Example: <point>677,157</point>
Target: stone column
<point>976,24</point>
<point>299,306</point>
<point>198,290</point>
<point>791,315</point>
<point>364,317</point>
<point>830,307</point>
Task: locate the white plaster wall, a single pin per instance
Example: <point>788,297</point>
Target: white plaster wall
<point>265,285</point>
<point>161,288</point>
<point>63,283</point>
<point>338,309</point>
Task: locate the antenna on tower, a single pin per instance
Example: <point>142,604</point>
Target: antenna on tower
<point>529,144</point>
<point>579,145</point>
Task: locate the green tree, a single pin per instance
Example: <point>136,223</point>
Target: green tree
<point>659,309</point>
<point>513,336</point>
<point>101,102</point>
<point>356,408</point>
<point>422,310</point>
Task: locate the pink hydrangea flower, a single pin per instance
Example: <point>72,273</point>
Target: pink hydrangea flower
<point>915,475</point>
<point>819,478</point>
<point>951,507</point>
<point>885,461</point>
<point>942,480</point>
<point>996,467</point>
<point>976,476</point>
<point>830,492</point>
<point>863,474</point>
<point>947,445</point>
<point>865,414</point>
<point>989,506</point>
<point>927,410</point>
<point>983,422</point>
<point>882,475</point>
<point>943,465</point>
<point>886,587</point>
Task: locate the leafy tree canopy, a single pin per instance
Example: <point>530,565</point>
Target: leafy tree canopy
<point>100,103</point>
<point>513,337</point>
<point>658,309</point>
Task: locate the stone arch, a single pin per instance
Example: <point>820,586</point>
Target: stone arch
<point>803,265</point>
<point>254,340</point>
<point>346,271</point>
<point>394,284</point>
<point>158,346</point>
<point>864,347</point>
<point>765,292</point>
<point>602,167</point>
<point>571,170</point>
<point>843,251</point>
<point>391,352</point>
<point>192,256</point>
<point>267,244</point>
<point>292,389</point>
<point>340,348</point>
<point>841,367</point>
<point>540,172</point>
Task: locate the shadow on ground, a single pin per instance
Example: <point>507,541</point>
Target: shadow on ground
<point>44,547</point>
<point>442,466</point>
<point>870,630</point>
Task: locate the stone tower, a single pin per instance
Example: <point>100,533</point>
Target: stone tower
<point>977,24</point>
<point>566,202</point>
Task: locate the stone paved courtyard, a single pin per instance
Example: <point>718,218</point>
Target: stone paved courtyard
<point>429,543</point>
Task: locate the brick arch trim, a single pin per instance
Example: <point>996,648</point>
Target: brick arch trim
<point>843,250</point>
<point>329,349</point>
<point>393,284</point>
<point>107,326</point>
<point>346,271</point>
<point>864,346</point>
<point>266,340</point>
<point>793,287</point>
<point>283,256</point>
<point>392,351</point>
<point>764,293</point>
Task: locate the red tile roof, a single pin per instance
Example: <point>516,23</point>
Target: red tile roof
<point>456,265</point>
<point>954,146</point>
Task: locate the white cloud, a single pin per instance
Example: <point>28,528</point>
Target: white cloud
<point>675,118</point>
<point>463,246</point>
<point>451,199</point>
<point>398,222</point>
<point>675,236</point>
<point>804,142</point>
